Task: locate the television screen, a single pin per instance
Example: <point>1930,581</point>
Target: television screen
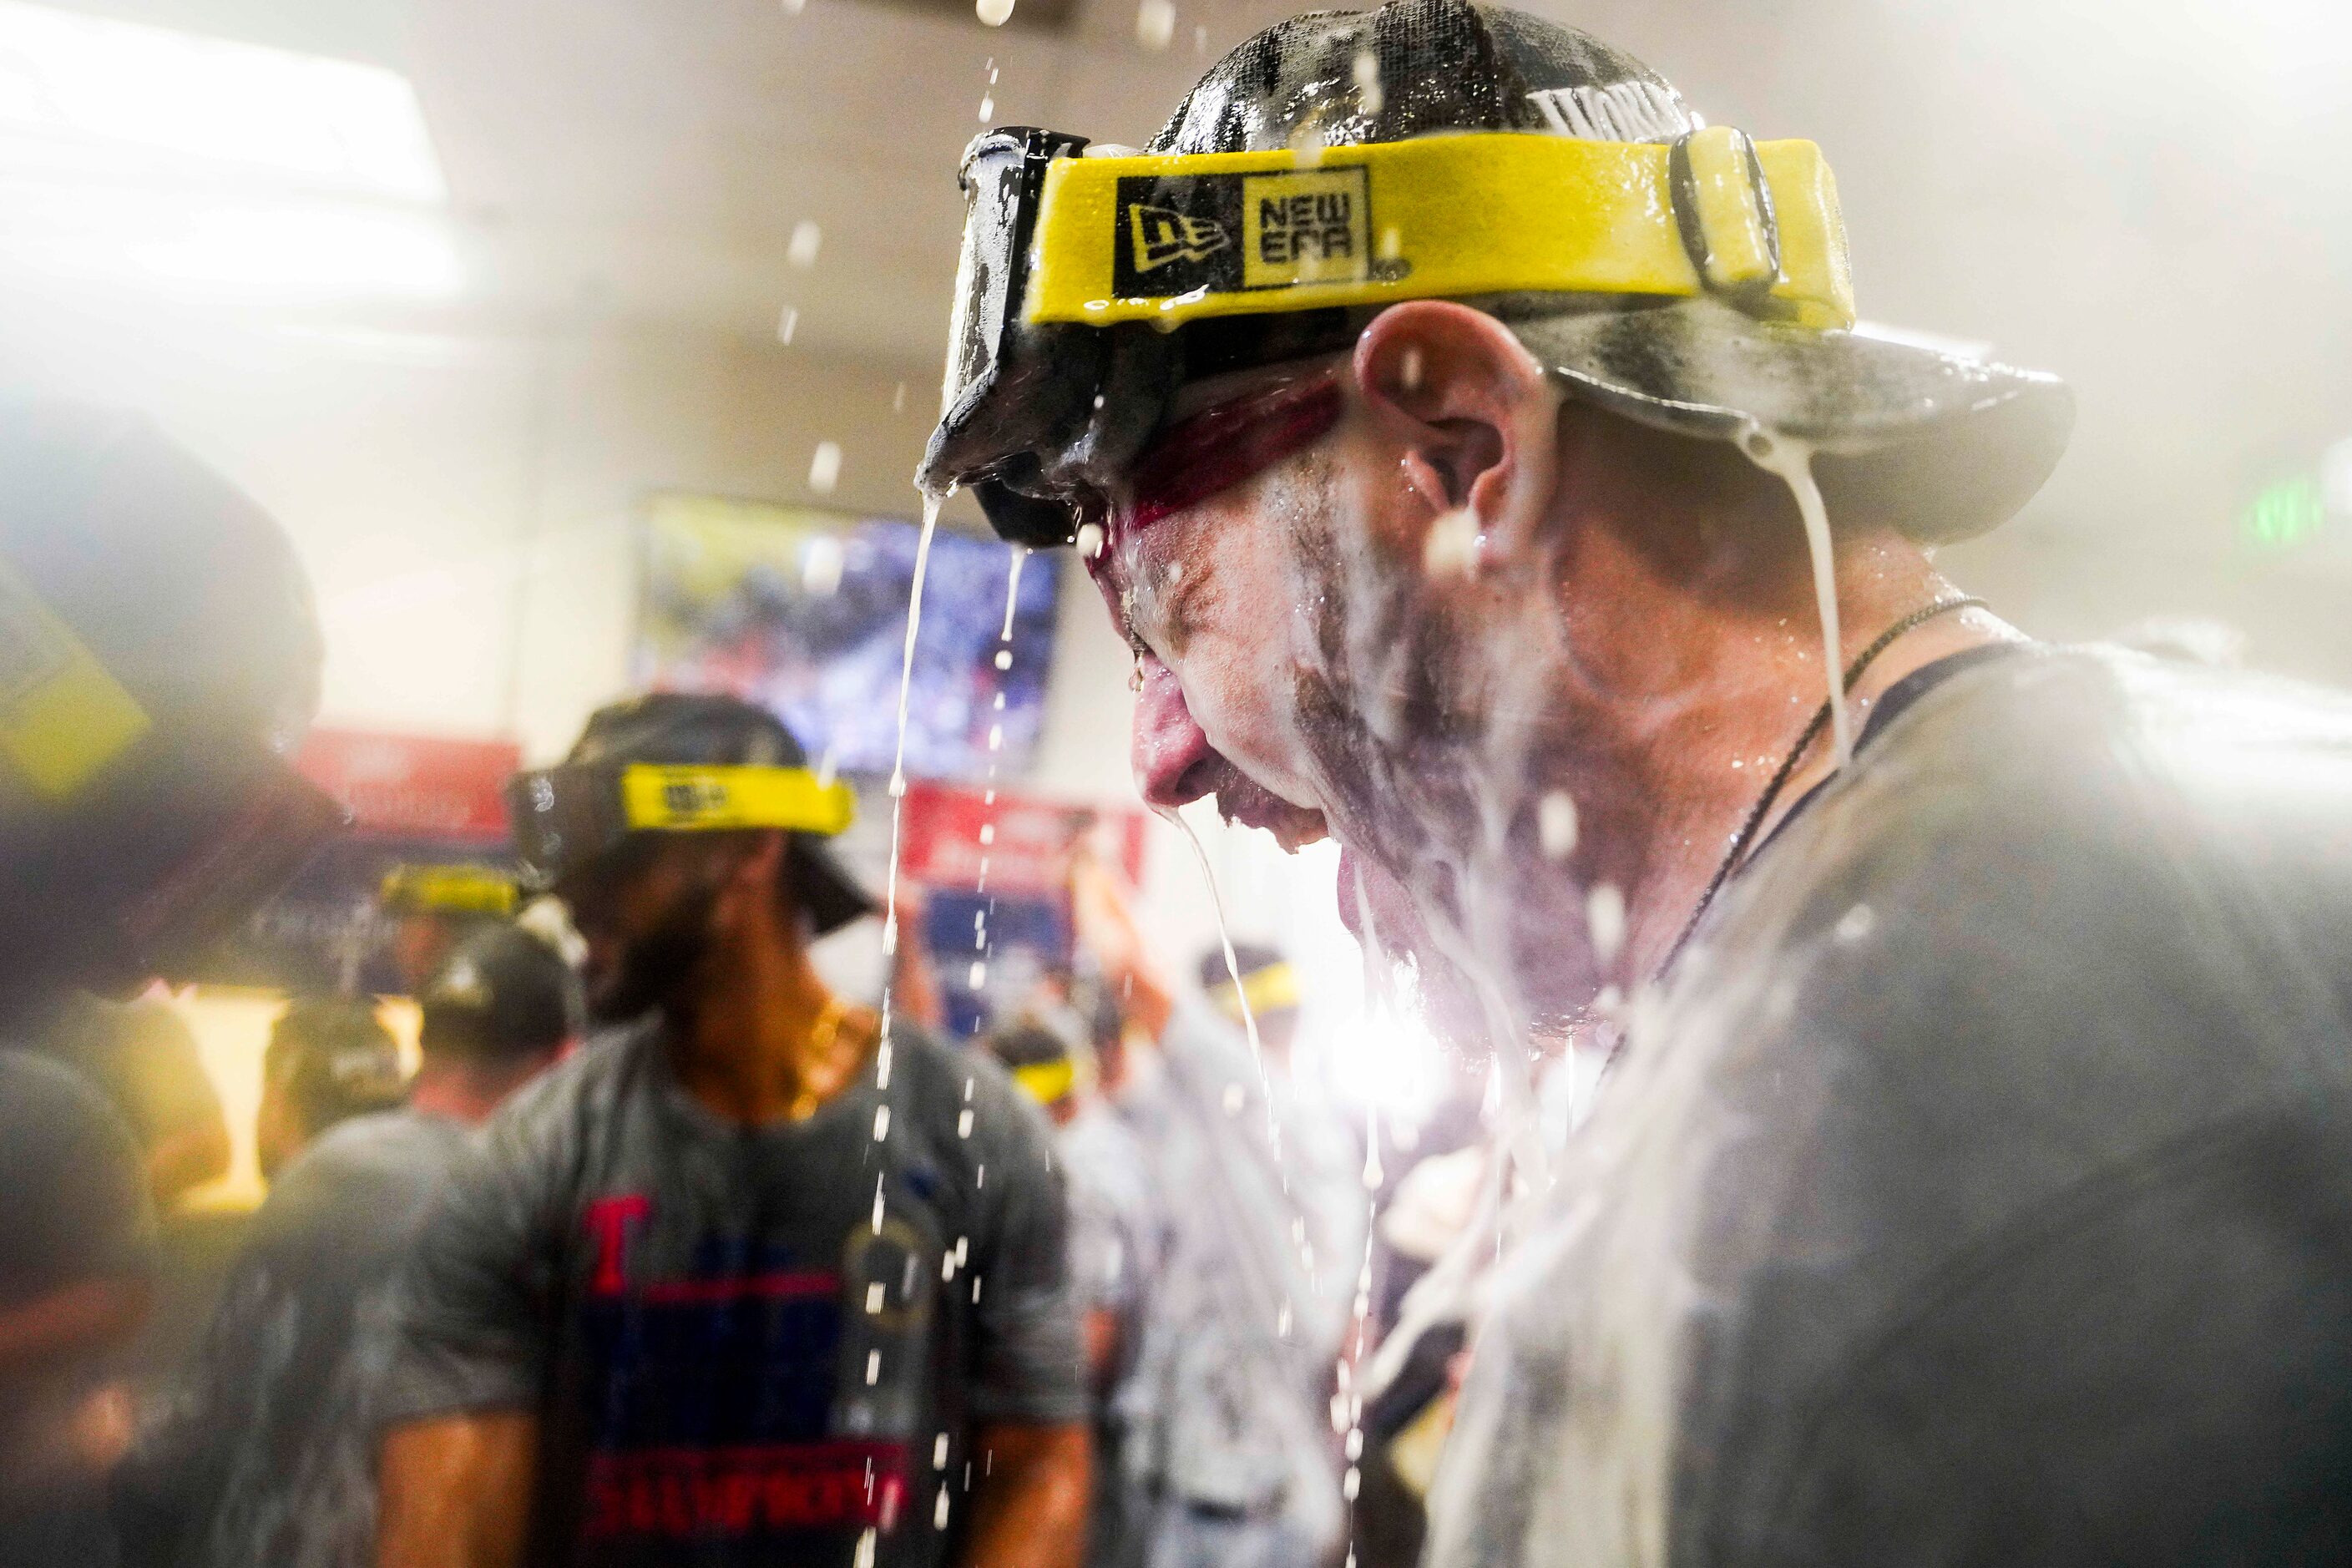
<point>804,611</point>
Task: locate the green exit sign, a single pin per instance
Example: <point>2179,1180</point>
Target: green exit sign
<point>2284,513</point>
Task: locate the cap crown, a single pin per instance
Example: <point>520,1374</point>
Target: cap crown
<point>1418,68</point>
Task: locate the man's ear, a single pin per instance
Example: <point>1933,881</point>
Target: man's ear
<point>1474,412</point>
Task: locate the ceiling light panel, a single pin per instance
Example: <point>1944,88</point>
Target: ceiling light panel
<point>90,95</point>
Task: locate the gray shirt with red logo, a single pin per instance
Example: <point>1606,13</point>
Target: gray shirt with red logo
<point>747,1344</point>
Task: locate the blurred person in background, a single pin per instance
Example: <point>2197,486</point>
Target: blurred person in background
<point>1118,1225</point>
<point>1974,1182</point>
<point>160,658</point>
<point>141,1055</point>
<point>1323,1146</point>
<point>265,1450</point>
<point>433,908</point>
<point>740,1281</point>
<point>1225,1418</point>
<point>329,1058</point>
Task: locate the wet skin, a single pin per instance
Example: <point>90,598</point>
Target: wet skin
<point>1468,595</point>
<point>1297,663</point>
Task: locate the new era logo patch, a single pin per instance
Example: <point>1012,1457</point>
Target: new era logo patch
<point>1305,228</point>
<point>1180,233</point>
<point>1161,235</point>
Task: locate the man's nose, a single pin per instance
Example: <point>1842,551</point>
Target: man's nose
<point>1169,745</point>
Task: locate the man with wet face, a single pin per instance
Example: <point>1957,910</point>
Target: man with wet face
<point>752,1279</point>
<point>1970,1182</point>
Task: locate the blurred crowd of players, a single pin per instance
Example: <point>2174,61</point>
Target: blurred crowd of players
<point>636,1265</point>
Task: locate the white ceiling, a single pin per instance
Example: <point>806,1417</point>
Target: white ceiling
<point>2151,197</point>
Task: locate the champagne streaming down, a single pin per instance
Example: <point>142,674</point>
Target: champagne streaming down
<point>1234,968</point>
<point>1792,462</point>
<point>899,790</point>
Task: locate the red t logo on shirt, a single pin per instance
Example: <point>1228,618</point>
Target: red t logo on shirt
<point>610,1222</point>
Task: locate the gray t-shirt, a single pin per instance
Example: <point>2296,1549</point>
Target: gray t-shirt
<point>263,1451</point>
<point>749,1344</point>
<point>1979,1191</point>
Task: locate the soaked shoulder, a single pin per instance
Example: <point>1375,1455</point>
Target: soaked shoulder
<point>2031,948</point>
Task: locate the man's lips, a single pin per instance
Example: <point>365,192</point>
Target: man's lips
<point>1243,800</point>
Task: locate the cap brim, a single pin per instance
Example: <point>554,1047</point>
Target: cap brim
<point>1942,446</point>
<point>826,892</point>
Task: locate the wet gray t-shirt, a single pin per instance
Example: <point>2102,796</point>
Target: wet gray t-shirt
<point>1981,1189</point>
<point>747,1344</point>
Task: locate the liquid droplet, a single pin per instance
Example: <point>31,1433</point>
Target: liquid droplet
<point>821,566</point>
<point>1604,915</point>
<point>787,324</point>
<point>987,110</point>
<point>1452,546</point>
<point>1155,22</point>
<point>1556,826</point>
<point>1090,540</point>
<point>993,13</point>
<point>824,468</point>
<point>802,248</point>
<point>1369,96</point>
<point>1004,659</point>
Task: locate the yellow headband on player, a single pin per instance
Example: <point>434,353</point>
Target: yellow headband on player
<point>663,798</point>
<point>1046,1082</point>
<point>1267,990</point>
<point>1173,239</point>
<point>454,890</point>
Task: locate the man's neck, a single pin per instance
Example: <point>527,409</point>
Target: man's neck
<point>759,1037</point>
<point>465,1091</point>
<point>1697,654</point>
<point>1715,761</point>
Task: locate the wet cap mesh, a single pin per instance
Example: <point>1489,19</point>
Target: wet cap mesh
<point>1441,65</point>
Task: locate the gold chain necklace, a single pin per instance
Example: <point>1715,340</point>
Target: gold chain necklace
<point>822,1036</point>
